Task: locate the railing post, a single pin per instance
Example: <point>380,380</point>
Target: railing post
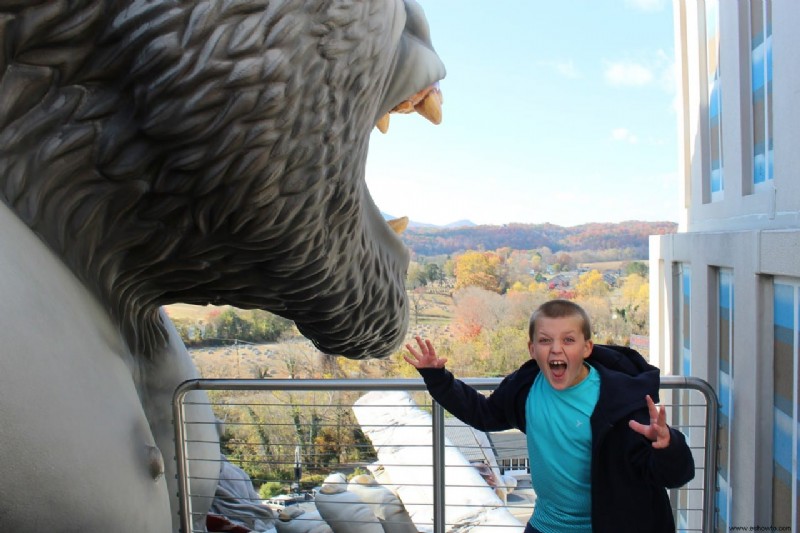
<point>710,494</point>
<point>710,458</point>
<point>178,419</point>
<point>437,415</point>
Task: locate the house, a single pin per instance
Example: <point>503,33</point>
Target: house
<point>563,280</point>
<point>611,278</point>
<point>725,289</point>
<point>511,450</point>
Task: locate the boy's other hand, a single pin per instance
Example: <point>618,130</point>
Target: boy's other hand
<point>657,431</point>
<point>425,357</point>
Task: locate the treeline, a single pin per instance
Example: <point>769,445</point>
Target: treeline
<point>221,327</point>
<point>632,235</point>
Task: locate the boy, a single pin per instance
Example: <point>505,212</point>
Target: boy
<point>601,453</point>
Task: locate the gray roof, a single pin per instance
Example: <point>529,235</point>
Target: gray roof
<point>509,444</point>
<point>467,439</point>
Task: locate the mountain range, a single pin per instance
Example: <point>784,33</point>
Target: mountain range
<point>633,235</point>
<point>414,224</point>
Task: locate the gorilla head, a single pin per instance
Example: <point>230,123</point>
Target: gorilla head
<point>214,153</point>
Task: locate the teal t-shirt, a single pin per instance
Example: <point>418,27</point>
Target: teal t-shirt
<point>560,452</point>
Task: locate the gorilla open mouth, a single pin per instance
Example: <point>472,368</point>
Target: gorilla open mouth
<point>427,102</point>
<point>417,65</point>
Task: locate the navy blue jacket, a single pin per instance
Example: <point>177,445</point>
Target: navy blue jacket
<point>628,475</point>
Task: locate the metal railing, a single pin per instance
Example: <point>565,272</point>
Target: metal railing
<point>693,504</point>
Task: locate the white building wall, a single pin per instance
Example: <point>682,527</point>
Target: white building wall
<point>753,232</point>
<point>742,208</point>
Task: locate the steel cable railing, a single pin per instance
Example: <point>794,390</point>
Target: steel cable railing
<point>275,426</point>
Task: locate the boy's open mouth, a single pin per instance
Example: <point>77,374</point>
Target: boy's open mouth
<point>557,368</point>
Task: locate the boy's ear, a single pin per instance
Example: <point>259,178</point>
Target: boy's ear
<point>530,349</point>
<point>589,348</point>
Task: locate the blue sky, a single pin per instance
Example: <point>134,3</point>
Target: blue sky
<point>557,111</point>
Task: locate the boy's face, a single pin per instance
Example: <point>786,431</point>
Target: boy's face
<point>559,347</point>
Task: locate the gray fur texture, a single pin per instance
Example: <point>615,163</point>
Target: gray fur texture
<point>213,152</point>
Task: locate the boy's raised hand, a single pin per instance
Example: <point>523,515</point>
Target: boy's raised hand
<point>425,357</point>
<point>657,431</point>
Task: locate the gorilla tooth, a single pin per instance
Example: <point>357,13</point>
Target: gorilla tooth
<point>427,102</point>
<point>431,106</point>
<point>383,123</point>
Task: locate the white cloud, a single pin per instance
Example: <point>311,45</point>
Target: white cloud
<point>566,68</point>
<point>646,5</point>
<point>628,73</point>
<point>624,135</point>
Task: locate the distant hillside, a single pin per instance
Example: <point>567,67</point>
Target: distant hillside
<point>595,236</point>
<point>417,224</point>
<point>461,224</point>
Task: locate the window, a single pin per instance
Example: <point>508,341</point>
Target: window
<point>684,319</point>
<point>684,367</point>
<point>761,87</point>
<point>514,465</point>
<point>725,393</point>
<point>717,184</point>
<point>786,307</point>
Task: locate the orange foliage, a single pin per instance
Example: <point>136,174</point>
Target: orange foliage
<point>466,331</point>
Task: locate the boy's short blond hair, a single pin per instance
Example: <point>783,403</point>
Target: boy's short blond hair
<point>560,309</point>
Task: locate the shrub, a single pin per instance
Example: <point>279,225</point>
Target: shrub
<point>270,489</point>
<point>358,471</point>
<point>310,481</point>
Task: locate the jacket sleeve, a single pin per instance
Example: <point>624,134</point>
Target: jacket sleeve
<point>465,403</point>
<point>669,467</point>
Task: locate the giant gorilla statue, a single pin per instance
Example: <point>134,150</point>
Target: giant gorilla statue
<point>200,151</point>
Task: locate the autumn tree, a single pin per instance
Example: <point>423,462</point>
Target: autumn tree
<point>637,267</point>
<point>449,267</point>
<point>518,267</point>
<point>536,261</point>
<point>517,286</point>
<point>509,348</point>
<point>591,284</point>
<point>605,327</point>
<point>433,272</point>
<point>415,276</point>
<point>520,304</point>
<point>594,295</point>
<point>545,255</point>
<point>635,299</point>
<point>266,327</point>
<point>563,262</point>
<point>476,309</point>
<point>229,325</point>
<point>479,269</point>
<point>492,331</point>
<point>417,302</point>
<point>423,273</point>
